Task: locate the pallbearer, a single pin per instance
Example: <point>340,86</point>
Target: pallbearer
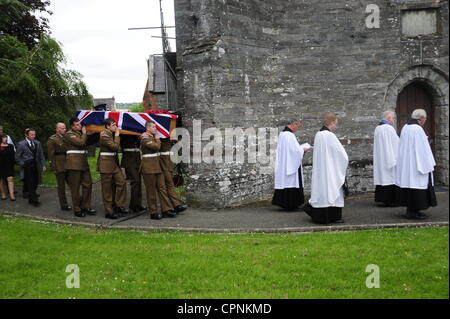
<point>56,154</point>
<point>414,173</point>
<point>152,173</point>
<point>385,155</point>
<point>131,161</point>
<point>328,175</point>
<point>288,169</point>
<point>167,171</point>
<point>77,167</point>
<point>113,182</point>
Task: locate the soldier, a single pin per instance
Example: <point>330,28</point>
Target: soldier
<point>56,154</point>
<point>167,170</point>
<point>131,161</point>
<point>112,179</point>
<point>77,168</point>
<point>152,174</point>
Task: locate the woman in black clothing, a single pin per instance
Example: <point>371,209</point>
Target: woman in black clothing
<point>6,168</point>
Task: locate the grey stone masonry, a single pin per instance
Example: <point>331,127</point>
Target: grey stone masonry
<point>258,63</point>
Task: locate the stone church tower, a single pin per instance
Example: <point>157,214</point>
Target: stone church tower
<point>259,63</point>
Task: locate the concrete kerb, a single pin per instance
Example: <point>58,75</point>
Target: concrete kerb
<point>290,230</point>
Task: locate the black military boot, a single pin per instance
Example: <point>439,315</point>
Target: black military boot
<point>169,214</point>
<point>180,208</point>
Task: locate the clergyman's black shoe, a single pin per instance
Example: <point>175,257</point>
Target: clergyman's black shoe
<point>89,211</point>
<point>66,208</point>
<point>412,214</point>
<point>180,208</point>
<point>420,215</point>
<point>155,216</point>
<point>169,214</point>
<point>111,216</point>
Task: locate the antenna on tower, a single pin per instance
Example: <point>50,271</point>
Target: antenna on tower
<point>165,42</point>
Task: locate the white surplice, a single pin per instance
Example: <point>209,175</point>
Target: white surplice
<point>385,153</point>
<point>415,158</point>
<point>330,163</point>
<point>288,161</point>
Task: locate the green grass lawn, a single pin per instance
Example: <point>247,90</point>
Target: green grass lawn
<point>129,264</point>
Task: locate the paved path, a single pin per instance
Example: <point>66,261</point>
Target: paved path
<point>360,212</point>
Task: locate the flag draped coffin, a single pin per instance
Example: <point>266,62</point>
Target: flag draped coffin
<point>128,122</point>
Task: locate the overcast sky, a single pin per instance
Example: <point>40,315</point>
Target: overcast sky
<point>95,38</point>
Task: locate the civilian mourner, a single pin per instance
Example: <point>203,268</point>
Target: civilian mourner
<point>152,173</point>
<point>288,169</point>
<point>6,168</point>
<point>9,139</point>
<point>385,153</point>
<point>114,189</point>
<point>77,167</point>
<point>131,161</point>
<point>167,171</point>
<point>30,157</point>
<point>56,154</point>
<point>328,175</point>
<point>414,173</point>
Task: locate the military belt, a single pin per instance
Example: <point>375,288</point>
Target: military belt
<point>108,153</point>
<point>166,153</point>
<point>76,152</point>
<point>150,155</point>
<point>131,150</point>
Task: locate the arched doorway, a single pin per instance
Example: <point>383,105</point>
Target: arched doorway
<point>413,96</point>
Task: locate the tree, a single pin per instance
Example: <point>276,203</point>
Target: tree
<point>17,18</point>
<point>35,91</point>
<point>138,108</point>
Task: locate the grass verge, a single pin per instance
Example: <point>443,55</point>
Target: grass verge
<point>413,263</point>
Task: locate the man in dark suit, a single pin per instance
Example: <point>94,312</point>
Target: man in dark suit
<point>30,157</point>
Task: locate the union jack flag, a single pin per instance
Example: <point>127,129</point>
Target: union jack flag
<point>129,122</point>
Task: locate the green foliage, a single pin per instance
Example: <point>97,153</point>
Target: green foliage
<point>35,91</point>
<point>138,108</point>
<point>18,18</point>
<point>413,263</point>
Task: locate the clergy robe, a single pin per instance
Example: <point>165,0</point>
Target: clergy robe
<point>414,171</point>
<point>288,172</point>
<point>330,163</point>
<point>385,153</point>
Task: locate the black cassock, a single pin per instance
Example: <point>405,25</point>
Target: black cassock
<point>290,198</point>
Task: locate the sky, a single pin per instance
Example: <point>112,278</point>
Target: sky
<point>97,43</point>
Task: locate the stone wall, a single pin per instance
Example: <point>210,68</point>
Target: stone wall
<point>258,63</point>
